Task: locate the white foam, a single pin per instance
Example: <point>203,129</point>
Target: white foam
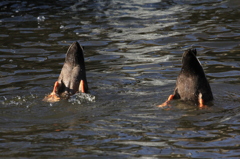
<point>80,98</point>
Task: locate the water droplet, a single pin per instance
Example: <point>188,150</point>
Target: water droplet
<point>4,98</point>
<point>41,18</point>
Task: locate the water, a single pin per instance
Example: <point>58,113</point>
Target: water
<point>133,55</point>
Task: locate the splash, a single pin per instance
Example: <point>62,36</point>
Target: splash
<point>80,98</point>
<point>26,101</point>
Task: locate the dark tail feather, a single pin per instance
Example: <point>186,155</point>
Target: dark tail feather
<point>75,56</point>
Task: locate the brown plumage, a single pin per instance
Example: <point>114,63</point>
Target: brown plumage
<point>72,78</point>
<point>191,82</point>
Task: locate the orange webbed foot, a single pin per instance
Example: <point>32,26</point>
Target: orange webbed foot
<point>163,104</point>
<point>53,97</point>
<point>166,103</point>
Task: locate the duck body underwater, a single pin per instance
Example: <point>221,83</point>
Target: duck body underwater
<point>191,82</point>
<point>72,78</point>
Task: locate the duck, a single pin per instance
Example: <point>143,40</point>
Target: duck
<point>72,78</point>
<point>191,83</point>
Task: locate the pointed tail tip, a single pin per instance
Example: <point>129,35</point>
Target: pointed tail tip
<point>75,47</point>
<point>76,44</point>
<point>74,55</point>
<point>192,50</point>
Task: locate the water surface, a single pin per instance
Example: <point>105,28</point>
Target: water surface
<point>133,55</point>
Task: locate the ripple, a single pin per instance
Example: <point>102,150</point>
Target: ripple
<point>9,66</point>
<point>39,59</point>
<point>55,35</point>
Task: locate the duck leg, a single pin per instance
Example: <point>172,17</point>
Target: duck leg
<point>167,101</point>
<point>53,97</point>
<point>201,101</point>
<point>82,87</point>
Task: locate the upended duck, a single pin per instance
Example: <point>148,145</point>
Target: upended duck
<point>72,78</point>
<point>191,83</point>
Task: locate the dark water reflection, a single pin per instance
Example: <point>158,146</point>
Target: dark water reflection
<point>133,54</point>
